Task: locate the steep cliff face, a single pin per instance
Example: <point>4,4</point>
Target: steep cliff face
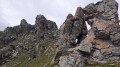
<point>101,45</point>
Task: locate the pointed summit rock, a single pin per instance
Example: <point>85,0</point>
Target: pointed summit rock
<point>79,12</point>
<point>45,29</point>
<point>69,16</point>
<point>40,17</point>
<point>23,22</point>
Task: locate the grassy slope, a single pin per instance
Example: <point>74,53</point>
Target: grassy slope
<point>43,60</point>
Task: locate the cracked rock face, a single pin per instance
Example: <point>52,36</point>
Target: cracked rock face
<point>45,29</point>
<point>104,33</point>
<point>102,43</point>
<point>71,32</point>
<point>102,17</point>
<point>73,28</point>
<point>105,9</point>
<point>71,61</point>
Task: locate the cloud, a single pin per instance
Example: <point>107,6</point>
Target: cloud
<point>3,22</point>
<point>12,11</point>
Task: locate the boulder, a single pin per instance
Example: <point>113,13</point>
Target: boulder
<point>115,51</point>
<point>84,48</point>
<point>71,61</point>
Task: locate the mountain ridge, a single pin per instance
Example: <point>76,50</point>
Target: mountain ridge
<point>72,45</point>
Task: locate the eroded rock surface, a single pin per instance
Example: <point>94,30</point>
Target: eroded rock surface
<point>74,28</point>
<point>45,29</point>
<point>71,32</point>
<point>76,46</point>
<point>103,18</point>
<point>26,39</point>
<point>101,45</point>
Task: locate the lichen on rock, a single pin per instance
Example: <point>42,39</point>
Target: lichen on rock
<point>102,41</point>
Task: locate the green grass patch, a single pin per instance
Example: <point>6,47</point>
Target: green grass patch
<point>43,60</point>
<point>20,61</point>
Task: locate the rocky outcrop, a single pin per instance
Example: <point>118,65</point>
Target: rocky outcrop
<point>101,45</point>
<point>26,27</point>
<point>75,45</point>
<point>73,60</point>
<point>12,33</point>
<point>72,31</point>
<point>104,32</point>
<point>9,51</point>
<point>45,29</point>
<point>28,39</point>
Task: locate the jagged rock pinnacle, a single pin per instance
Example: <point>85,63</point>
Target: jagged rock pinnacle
<point>45,29</point>
<point>40,17</point>
<point>79,12</point>
<point>69,16</point>
<point>23,22</point>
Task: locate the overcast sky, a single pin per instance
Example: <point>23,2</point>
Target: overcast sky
<point>12,11</point>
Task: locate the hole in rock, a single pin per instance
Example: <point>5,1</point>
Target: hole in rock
<point>81,36</point>
<point>76,40</point>
<point>88,26</point>
<point>85,54</point>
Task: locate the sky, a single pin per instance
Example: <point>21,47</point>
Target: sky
<point>12,11</point>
